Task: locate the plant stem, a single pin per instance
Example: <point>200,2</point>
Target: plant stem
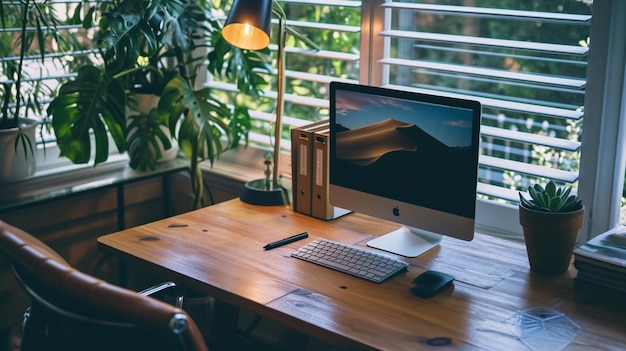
<point>195,173</point>
<point>18,83</point>
<point>180,64</point>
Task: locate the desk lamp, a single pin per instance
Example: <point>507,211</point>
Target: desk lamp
<point>248,27</point>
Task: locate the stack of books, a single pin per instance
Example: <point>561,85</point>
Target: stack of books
<point>601,264</point>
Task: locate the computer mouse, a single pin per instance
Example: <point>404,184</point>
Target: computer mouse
<point>430,283</point>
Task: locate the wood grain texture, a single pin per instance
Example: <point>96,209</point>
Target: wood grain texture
<point>218,251</point>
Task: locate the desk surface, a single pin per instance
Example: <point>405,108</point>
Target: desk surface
<point>218,250</point>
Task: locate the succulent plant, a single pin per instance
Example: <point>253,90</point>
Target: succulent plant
<point>551,199</point>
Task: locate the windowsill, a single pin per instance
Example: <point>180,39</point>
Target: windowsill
<point>232,170</point>
<point>246,163</point>
<point>41,188</point>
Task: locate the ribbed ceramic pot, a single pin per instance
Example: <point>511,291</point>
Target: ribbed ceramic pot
<point>15,164</point>
<point>550,238</point>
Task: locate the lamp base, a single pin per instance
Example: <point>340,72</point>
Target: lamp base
<point>256,192</point>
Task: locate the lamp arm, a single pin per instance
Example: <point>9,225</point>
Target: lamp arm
<point>280,102</point>
<point>278,11</point>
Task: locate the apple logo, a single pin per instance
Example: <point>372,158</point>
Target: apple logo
<point>396,211</point>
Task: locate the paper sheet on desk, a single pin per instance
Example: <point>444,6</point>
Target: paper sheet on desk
<point>605,248</point>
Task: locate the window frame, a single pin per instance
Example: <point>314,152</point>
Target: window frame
<point>603,161</point>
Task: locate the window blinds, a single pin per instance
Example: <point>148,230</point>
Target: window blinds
<point>526,66</point>
<point>334,26</point>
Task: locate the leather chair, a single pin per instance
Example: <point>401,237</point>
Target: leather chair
<point>71,310</point>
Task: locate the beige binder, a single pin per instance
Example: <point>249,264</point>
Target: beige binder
<point>320,205</point>
<point>301,163</point>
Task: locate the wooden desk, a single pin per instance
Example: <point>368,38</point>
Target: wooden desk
<point>218,251</point>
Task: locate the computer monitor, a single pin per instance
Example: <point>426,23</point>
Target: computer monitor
<point>406,157</point>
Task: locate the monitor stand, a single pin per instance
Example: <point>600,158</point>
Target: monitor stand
<point>406,241</point>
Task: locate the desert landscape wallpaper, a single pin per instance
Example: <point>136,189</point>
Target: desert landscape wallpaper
<point>412,152</point>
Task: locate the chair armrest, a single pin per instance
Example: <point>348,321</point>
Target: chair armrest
<point>159,288</point>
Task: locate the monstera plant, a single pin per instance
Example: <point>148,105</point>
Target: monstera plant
<point>155,47</point>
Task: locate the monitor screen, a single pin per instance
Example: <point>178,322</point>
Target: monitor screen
<point>406,157</point>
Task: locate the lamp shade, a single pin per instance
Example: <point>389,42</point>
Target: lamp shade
<point>248,24</point>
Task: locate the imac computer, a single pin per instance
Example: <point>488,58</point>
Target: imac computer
<point>406,157</point>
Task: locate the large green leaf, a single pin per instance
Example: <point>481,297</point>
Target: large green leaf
<point>91,102</point>
<point>246,67</point>
<point>199,117</point>
<point>181,20</point>
<point>145,139</point>
<point>239,125</point>
<point>127,34</point>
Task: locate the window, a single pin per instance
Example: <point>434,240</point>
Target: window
<point>335,27</point>
<point>68,45</point>
<point>526,61</point>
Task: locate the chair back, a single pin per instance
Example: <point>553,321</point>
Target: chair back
<point>71,310</point>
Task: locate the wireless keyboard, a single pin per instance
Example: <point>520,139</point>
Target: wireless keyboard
<point>352,260</point>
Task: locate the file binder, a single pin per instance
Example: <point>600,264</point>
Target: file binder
<point>301,163</point>
<point>321,207</point>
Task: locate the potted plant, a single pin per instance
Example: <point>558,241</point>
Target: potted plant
<point>551,219</point>
<point>156,48</point>
<point>20,96</point>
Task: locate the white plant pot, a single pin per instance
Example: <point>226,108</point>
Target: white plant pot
<point>17,164</point>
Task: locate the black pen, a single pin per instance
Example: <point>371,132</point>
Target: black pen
<point>286,241</point>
